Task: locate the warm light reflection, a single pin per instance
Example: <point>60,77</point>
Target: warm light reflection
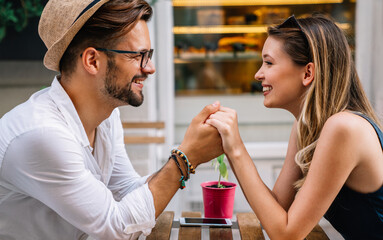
<point>184,3</point>
<point>221,29</point>
<point>344,26</point>
<point>224,29</point>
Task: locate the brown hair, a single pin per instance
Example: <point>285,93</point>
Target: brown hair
<point>336,86</point>
<point>110,22</point>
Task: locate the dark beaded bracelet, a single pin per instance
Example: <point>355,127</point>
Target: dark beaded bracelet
<point>183,156</point>
<point>182,179</point>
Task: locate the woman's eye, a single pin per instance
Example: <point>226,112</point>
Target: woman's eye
<point>267,63</point>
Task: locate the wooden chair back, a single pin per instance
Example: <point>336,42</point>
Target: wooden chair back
<point>143,138</point>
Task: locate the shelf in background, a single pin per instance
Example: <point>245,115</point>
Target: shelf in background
<point>219,29</point>
<point>217,57</point>
<point>233,29</point>
<point>208,92</point>
<point>199,3</point>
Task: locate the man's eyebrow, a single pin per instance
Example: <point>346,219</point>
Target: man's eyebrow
<point>143,50</point>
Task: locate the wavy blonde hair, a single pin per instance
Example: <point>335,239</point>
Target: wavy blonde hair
<point>336,86</point>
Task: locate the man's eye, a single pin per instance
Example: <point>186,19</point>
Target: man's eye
<point>134,56</point>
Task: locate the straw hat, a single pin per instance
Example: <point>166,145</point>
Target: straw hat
<point>60,22</point>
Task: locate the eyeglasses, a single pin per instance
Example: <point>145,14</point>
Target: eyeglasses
<point>145,55</point>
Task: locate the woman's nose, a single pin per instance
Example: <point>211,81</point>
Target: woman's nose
<point>259,75</point>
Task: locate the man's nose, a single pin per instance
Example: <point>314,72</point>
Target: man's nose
<point>149,68</point>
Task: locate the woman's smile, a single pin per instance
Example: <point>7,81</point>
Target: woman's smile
<point>266,89</point>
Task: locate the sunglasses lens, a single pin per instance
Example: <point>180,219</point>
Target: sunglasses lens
<point>291,22</point>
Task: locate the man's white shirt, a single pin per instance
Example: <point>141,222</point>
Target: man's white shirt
<point>53,185</point>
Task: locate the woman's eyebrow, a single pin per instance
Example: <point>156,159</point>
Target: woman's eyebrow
<point>266,56</point>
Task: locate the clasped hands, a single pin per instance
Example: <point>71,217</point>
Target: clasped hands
<point>212,132</point>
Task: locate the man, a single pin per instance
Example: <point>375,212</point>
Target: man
<point>64,170</point>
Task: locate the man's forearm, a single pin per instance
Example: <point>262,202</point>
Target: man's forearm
<point>163,185</point>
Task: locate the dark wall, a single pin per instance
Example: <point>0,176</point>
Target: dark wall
<point>24,45</point>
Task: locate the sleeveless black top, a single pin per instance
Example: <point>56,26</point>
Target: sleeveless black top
<point>357,215</point>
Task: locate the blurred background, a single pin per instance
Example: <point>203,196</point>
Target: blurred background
<point>205,50</point>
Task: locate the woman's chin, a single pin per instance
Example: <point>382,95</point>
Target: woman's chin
<point>267,104</point>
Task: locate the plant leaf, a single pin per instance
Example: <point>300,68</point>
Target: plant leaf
<point>215,164</point>
<point>226,176</point>
<point>220,158</point>
<point>223,170</point>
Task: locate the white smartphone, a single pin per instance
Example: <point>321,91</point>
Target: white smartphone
<point>215,222</point>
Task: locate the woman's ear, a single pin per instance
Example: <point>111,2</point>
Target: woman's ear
<point>309,74</point>
<point>90,59</point>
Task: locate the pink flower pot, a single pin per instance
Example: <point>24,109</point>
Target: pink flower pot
<point>218,202</point>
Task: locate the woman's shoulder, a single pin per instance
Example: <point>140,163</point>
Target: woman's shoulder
<point>356,136</point>
<point>347,122</point>
<point>352,131</point>
<point>349,130</point>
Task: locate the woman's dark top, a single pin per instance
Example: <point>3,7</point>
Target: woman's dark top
<point>357,215</point>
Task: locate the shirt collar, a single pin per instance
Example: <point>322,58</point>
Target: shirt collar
<point>66,107</point>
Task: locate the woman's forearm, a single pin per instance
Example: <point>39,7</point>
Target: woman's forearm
<point>273,217</point>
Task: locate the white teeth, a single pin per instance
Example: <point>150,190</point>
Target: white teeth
<point>266,89</point>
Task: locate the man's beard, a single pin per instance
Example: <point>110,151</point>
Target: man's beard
<point>124,94</point>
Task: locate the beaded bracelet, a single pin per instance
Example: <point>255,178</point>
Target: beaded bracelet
<point>182,179</point>
<point>183,156</point>
<point>186,167</point>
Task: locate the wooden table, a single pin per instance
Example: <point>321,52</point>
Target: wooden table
<point>247,223</point>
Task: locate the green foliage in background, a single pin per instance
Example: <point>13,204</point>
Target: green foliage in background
<point>15,14</point>
<point>221,165</point>
<point>152,2</point>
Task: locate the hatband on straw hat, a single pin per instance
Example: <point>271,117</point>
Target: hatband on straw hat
<point>59,23</point>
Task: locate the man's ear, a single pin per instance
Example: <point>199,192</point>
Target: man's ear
<point>90,59</point>
<point>309,74</point>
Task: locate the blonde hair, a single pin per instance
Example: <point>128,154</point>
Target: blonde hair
<point>336,86</point>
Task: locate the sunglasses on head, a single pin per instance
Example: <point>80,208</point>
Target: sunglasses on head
<point>290,22</point>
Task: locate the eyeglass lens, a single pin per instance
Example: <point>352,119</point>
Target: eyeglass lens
<point>145,58</point>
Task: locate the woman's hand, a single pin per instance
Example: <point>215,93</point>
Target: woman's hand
<point>202,142</point>
<point>225,120</point>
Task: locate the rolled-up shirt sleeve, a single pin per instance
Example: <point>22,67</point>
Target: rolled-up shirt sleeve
<point>48,165</point>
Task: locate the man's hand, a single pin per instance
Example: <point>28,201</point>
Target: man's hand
<point>202,141</point>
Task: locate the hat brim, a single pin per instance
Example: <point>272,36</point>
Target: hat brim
<point>56,51</point>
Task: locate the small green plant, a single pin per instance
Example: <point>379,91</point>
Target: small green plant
<point>221,165</point>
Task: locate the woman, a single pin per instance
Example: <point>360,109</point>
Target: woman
<point>334,161</point>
